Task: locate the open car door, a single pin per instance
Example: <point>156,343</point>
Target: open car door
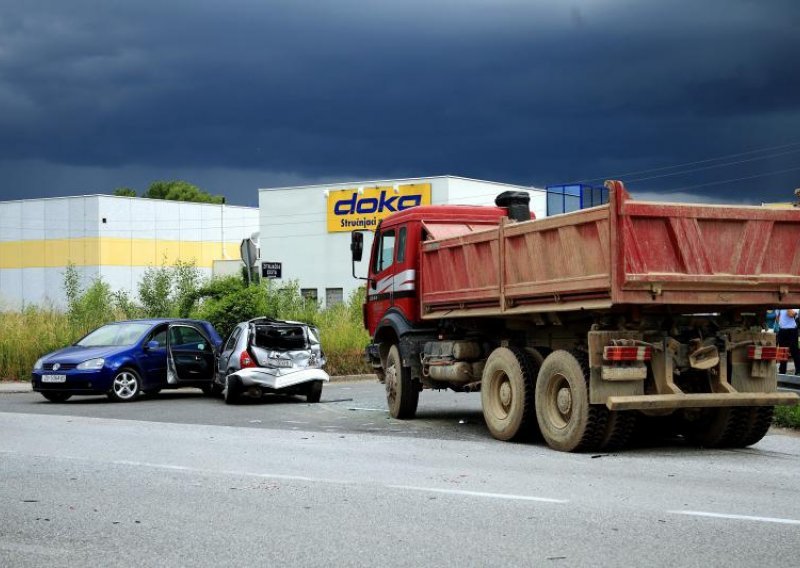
<point>191,357</point>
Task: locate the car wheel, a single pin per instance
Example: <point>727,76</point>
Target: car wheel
<point>126,386</point>
<point>56,396</point>
<point>214,390</point>
<point>314,391</point>
<point>232,390</point>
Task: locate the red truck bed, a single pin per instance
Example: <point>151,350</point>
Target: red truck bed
<point>624,252</point>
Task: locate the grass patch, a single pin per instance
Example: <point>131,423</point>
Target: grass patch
<point>787,416</point>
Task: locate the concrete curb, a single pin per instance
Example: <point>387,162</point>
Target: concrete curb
<point>16,387</point>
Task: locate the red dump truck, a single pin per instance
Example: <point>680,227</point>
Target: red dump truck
<point>583,328</point>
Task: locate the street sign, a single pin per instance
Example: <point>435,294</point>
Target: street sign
<point>271,269</point>
<point>248,251</point>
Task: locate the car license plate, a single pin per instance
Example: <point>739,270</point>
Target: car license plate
<point>54,378</point>
<point>280,362</point>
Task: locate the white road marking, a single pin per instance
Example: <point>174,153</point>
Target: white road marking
<point>262,475</point>
<point>737,517</point>
<point>479,494</point>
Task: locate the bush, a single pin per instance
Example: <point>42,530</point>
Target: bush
<point>787,416</point>
<point>169,291</point>
<point>227,301</point>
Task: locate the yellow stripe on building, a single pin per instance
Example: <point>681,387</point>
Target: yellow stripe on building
<point>108,251</point>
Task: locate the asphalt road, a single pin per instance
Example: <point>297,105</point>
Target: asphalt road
<point>183,480</point>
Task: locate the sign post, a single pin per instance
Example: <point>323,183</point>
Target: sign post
<point>271,269</point>
<point>249,253</point>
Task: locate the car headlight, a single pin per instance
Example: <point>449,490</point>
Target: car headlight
<point>38,365</point>
<point>91,364</point>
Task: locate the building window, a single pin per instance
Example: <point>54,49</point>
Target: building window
<point>309,293</point>
<point>333,296</point>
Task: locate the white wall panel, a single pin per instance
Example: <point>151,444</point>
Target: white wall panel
<point>11,225</point>
<point>56,218</point>
<point>77,223</point>
<point>33,221</point>
<point>10,288</point>
<point>167,221</point>
<point>190,222</point>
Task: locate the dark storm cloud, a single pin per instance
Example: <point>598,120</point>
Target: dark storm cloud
<point>542,92</point>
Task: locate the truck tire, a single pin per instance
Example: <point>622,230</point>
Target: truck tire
<point>752,425</point>
<point>566,419</point>
<point>402,395</point>
<point>619,428</point>
<point>507,387</point>
<point>760,421</point>
<point>713,427</point>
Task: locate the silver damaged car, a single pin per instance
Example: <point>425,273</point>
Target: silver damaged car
<point>264,355</point>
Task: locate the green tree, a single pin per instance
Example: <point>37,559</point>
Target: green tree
<point>169,291</point>
<point>179,190</point>
<point>155,289</point>
<point>125,192</point>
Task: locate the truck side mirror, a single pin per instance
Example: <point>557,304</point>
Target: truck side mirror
<point>356,245</point>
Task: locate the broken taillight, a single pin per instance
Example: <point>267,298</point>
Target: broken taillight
<point>245,360</point>
<point>627,353</point>
<point>767,353</point>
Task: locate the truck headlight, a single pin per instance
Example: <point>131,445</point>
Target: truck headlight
<point>38,365</point>
<point>91,364</point>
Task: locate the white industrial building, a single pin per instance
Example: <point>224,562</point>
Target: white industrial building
<point>109,237</point>
<point>305,230</point>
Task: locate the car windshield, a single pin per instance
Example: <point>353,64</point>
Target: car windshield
<point>115,335</point>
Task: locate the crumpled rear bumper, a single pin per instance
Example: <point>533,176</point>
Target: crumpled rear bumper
<point>277,379</point>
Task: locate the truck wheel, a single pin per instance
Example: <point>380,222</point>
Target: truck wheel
<point>755,420</point>
<point>566,419</point>
<point>712,427</point>
<point>619,427</point>
<point>507,389</point>
<point>401,394</point>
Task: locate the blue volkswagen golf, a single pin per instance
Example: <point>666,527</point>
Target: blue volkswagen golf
<point>128,358</point>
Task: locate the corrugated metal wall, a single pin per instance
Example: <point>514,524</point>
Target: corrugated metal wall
<point>115,238</point>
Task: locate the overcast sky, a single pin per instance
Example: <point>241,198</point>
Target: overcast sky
<point>242,94</point>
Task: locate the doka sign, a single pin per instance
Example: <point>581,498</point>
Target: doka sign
<point>350,209</point>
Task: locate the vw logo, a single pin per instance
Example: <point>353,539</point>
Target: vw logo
<point>57,366</point>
